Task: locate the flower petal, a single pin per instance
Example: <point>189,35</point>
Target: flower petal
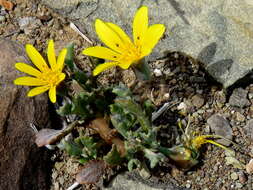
<point>125,65</point>
<point>60,60</point>
<point>29,81</point>
<point>38,90</point>
<point>101,52</point>
<point>36,58</point>
<point>102,67</point>
<point>151,38</point>
<point>52,94</point>
<point>140,25</point>
<point>51,54</point>
<point>124,37</point>
<point>23,67</point>
<point>61,78</point>
<point>109,37</point>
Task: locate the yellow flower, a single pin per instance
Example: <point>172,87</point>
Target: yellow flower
<point>122,51</point>
<point>44,77</point>
<point>198,141</point>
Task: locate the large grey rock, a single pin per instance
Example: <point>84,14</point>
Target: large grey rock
<point>132,181</point>
<point>219,32</point>
<point>22,164</point>
<point>220,126</point>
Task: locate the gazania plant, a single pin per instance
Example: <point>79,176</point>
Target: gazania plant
<point>106,126</point>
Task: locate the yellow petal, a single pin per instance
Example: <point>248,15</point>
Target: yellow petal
<point>29,81</point>
<point>61,77</point>
<point>140,24</point>
<point>61,59</point>
<point>36,58</point>
<point>124,37</point>
<point>51,54</point>
<point>109,37</point>
<point>38,90</point>
<point>23,67</point>
<point>125,65</point>
<point>102,67</point>
<point>52,94</point>
<point>151,38</point>
<point>101,52</point>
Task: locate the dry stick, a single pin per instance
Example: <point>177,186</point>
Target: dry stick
<point>74,27</point>
<point>166,106</point>
<point>73,186</point>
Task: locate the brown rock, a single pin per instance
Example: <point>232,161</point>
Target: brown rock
<point>198,101</point>
<point>22,164</point>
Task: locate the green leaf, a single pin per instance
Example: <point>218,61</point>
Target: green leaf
<point>142,71</point>
<point>81,77</point>
<point>72,148</point>
<point>89,147</point>
<point>113,157</point>
<point>153,157</point>
<point>65,109</point>
<point>69,59</point>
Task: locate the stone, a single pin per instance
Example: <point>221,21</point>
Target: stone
<point>249,167</point>
<point>22,164</point>
<point>242,177</point>
<point>234,176</point>
<point>239,98</point>
<point>218,33</point>
<point>248,129</point>
<point>29,24</point>
<point>220,126</point>
<point>197,100</point>
<point>132,181</point>
<point>158,72</point>
<point>2,18</point>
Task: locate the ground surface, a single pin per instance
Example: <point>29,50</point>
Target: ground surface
<point>182,80</point>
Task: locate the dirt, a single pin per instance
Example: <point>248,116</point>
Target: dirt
<point>179,79</point>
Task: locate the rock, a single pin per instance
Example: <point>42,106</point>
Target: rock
<point>239,98</point>
<point>132,181</point>
<point>248,129</point>
<point>2,18</point>
<point>234,176</point>
<point>240,117</point>
<point>22,164</point>
<point>158,72</point>
<point>218,32</point>
<point>242,177</point>
<point>220,126</point>
<point>249,167</point>
<point>29,24</point>
<point>198,101</point>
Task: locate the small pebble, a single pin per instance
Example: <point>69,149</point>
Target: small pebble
<point>238,185</point>
<point>158,72</point>
<point>234,176</point>
<point>240,117</point>
<point>249,167</point>
<point>2,18</point>
<point>198,101</point>
<point>242,177</point>
<point>188,185</point>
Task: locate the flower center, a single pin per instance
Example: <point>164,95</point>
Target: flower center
<point>132,54</point>
<point>51,77</point>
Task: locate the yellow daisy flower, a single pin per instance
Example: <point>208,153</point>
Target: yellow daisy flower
<point>44,77</point>
<point>122,51</point>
